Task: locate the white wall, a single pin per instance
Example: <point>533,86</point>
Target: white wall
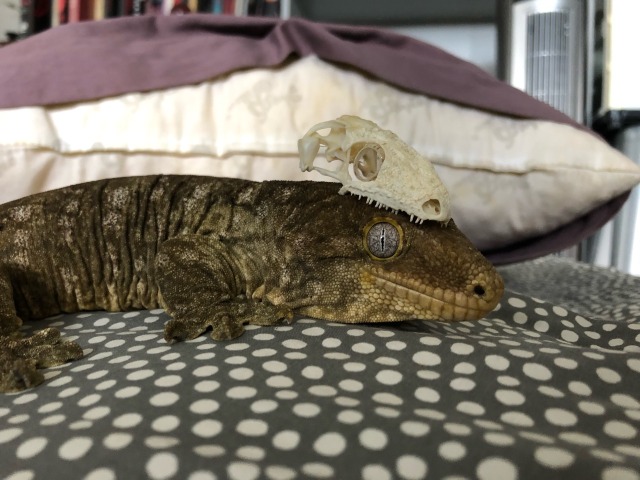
<point>477,44</point>
<point>9,17</point>
<point>622,71</point>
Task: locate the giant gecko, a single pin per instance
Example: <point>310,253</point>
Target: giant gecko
<point>220,253</point>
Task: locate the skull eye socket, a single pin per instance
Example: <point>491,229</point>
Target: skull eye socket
<point>368,160</point>
<point>383,239</point>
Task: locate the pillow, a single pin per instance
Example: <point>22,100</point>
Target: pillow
<point>520,187</point>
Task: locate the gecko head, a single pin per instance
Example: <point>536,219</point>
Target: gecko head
<point>377,266</point>
<point>376,164</point>
<point>429,271</point>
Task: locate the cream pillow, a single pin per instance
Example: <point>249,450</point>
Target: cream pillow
<point>510,180</point>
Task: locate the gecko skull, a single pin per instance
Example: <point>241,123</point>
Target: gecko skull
<point>376,164</point>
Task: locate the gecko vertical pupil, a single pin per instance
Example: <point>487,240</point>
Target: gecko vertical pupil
<point>383,240</point>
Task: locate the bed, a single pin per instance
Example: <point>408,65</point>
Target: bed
<point>547,385</point>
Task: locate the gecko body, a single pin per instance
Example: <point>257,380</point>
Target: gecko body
<point>220,253</point>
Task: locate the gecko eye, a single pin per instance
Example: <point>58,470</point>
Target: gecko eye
<point>383,239</point>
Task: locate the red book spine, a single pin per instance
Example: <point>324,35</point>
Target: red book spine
<point>126,8</point>
<point>86,9</point>
<point>74,11</point>
<point>63,9</point>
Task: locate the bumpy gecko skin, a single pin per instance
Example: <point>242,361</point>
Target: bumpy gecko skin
<point>220,253</point>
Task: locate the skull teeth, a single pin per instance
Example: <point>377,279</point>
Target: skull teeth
<point>371,201</point>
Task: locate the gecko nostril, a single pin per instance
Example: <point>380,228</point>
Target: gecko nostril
<point>479,290</point>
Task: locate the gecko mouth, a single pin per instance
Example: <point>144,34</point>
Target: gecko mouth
<point>444,304</point>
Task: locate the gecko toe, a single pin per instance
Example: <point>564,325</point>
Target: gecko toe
<point>222,327</point>
<point>48,349</point>
<point>227,330</point>
<point>177,330</point>
<point>17,374</point>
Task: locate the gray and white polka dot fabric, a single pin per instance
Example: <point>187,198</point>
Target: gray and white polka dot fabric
<point>547,387</point>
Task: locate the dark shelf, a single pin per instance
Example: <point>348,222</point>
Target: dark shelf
<point>396,12</point>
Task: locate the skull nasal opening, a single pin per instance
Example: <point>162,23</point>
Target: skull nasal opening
<point>431,207</point>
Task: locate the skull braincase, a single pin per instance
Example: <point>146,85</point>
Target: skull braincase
<point>376,164</point>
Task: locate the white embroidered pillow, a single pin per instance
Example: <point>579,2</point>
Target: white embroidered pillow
<point>510,180</point>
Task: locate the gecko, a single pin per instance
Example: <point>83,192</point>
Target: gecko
<point>217,254</point>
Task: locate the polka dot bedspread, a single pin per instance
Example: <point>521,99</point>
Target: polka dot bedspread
<point>548,386</point>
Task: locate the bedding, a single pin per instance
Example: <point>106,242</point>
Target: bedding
<point>223,96</point>
<point>545,387</point>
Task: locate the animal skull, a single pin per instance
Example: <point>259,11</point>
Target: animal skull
<point>386,170</point>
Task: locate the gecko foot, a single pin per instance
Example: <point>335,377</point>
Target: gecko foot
<point>20,358</point>
<point>227,323</point>
<point>222,328</point>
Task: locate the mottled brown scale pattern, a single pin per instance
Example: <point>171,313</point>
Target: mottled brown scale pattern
<point>217,254</point>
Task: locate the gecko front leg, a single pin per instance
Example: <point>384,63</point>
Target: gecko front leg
<point>201,288</point>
